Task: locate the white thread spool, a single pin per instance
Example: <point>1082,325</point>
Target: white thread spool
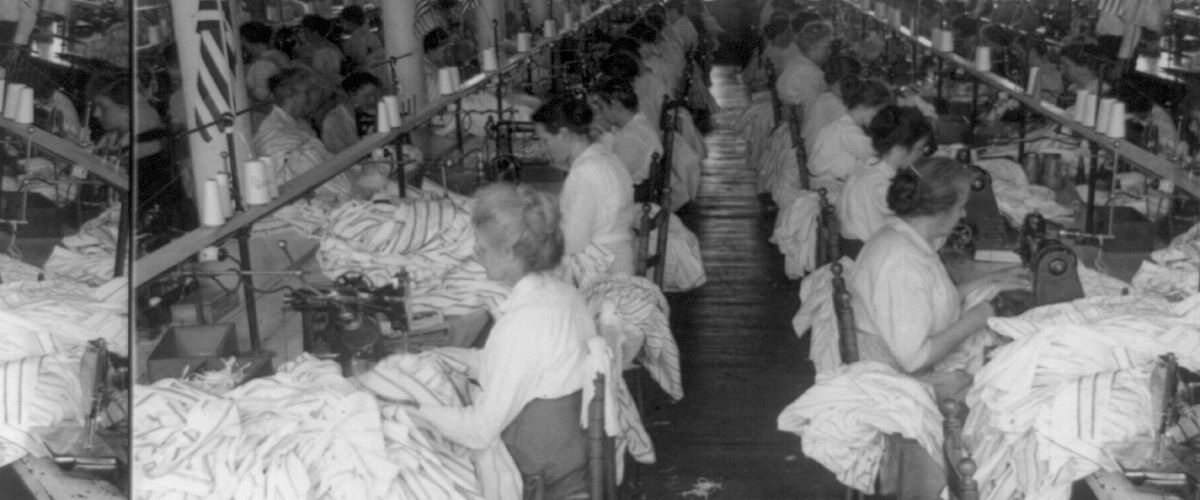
<point>392,105</point>
<point>524,42</point>
<point>210,206</point>
<point>272,184</point>
<point>568,20</point>
<point>1105,114</point>
<point>1116,122</point>
<point>382,121</point>
<point>1031,87</point>
<point>1080,105</point>
<point>445,81</point>
<point>1089,110</point>
<point>209,254</point>
<point>25,106</point>
<point>153,35</point>
<point>983,59</point>
<point>12,100</point>
<point>226,197</point>
<point>549,29</point>
<point>256,183</point>
<point>489,59</point>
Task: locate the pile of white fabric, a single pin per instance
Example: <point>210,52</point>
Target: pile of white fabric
<point>306,432</point>
<point>1016,197</point>
<point>46,327</point>
<point>684,265</point>
<point>796,234</point>
<point>755,126</point>
<point>1173,272</point>
<point>88,256</point>
<point>16,270</point>
<point>842,419</point>
<point>1071,394</point>
<point>640,313</point>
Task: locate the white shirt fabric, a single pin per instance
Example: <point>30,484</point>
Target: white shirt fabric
<point>635,143</point>
<point>796,234</point>
<point>650,90</point>
<point>841,420</point>
<point>779,57</point>
<point>801,82</point>
<point>296,149</point>
<point>536,350</point>
<point>862,207</point>
<point>597,206</point>
<point>901,295</point>
<point>818,316</point>
<point>837,151</point>
<point>687,32</point>
<point>828,109</point>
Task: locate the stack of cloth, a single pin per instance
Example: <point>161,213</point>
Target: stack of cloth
<point>88,256</point>
<point>755,126</point>
<point>47,326</point>
<point>639,312</point>
<point>796,234</point>
<point>1173,272</point>
<point>306,432</point>
<point>684,264</point>
<point>1017,197</point>
<point>843,419</point>
<point>1071,394</point>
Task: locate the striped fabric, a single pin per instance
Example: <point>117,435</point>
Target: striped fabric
<point>39,391</point>
<point>296,149</point>
<point>639,309</point>
<point>1112,6</point>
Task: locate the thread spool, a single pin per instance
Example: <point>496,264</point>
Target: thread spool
<point>1105,114</point>
<point>392,106</point>
<point>524,42</point>
<point>490,61</point>
<point>983,59</point>
<point>223,190</point>
<point>549,29</point>
<point>456,77</point>
<point>1089,110</point>
<point>209,254</point>
<point>210,206</point>
<point>272,184</point>
<point>1080,105</point>
<point>12,98</point>
<point>25,106</point>
<point>1166,186</point>
<point>896,18</point>
<point>256,192</point>
<point>1032,87</point>
<point>585,12</point>
<point>568,20</point>
<point>1116,121</point>
<point>944,42</point>
<point>382,121</point>
<point>445,82</point>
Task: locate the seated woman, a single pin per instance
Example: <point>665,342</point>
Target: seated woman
<point>802,80</point>
<point>842,146</point>
<point>628,133</point>
<point>830,105</point>
<point>908,311</point>
<point>597,196</point>
<point>899,136</point>
<point>532,369</point>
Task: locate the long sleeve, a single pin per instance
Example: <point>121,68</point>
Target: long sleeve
<point>801,82</point>
<point>580,205</point>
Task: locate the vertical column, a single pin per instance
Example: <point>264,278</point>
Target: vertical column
<point>485,12</point>
<point>399,18</point>
<point>214,84</point>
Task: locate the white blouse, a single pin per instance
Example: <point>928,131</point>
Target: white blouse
<point>838,150</point>
<point>901,295</point>
<point>801,82</point>
<point>597,206</point>
<point>536,350</point>
<point>828,109</point>
<point>862,207</point>
<point>635,144</point>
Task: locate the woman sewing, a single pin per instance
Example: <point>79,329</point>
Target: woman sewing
<point>843,145</point>
<point>532,369</point>
<point>908,311</point>
<point>597,196</point>
<point>899,136</point>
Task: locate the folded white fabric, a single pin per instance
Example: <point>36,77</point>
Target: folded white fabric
<point>796,234</point>
<point>640,312</point>
<point>1052,406</point>
<point>45,317</point>
<point>15,270</point>
<point>685,266</point>
<point>843,418</point>
<point>817,315</point>
<point>1175,270</point>
<point>93,267</point>
<point>306,432</point>
<point>39,391</point>
<point>1016,197</point>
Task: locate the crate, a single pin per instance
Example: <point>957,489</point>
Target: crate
<point>190,346</point>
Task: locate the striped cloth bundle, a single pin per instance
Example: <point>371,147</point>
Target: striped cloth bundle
<point>39,391</point>
<point>306,432</point>
<point>637,306</point>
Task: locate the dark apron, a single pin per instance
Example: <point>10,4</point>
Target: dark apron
<point>549,447</point>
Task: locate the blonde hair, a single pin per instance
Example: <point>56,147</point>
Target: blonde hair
<point>517,217</point>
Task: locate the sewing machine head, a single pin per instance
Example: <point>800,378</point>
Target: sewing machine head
<point>347,320</point>
<point>1054,268</point>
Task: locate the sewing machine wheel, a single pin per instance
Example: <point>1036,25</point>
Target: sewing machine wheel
<point>1058,267</point>
<point>981,180</point>
<point>962,235</point>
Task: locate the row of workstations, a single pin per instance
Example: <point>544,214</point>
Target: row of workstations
<point>415,128</point>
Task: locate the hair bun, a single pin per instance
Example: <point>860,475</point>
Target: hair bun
<point>904,195</point>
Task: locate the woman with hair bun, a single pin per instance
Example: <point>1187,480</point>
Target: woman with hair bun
<point>899,135</point>
<point>907,309</point>
<point>532,370</point>
<point>597,196</point>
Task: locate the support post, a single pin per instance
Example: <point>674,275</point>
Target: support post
<point>404,47</point>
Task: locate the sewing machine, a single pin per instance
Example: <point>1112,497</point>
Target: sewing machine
<point>1054,266</point>
<point>100,449</point>
<point>351,320</point>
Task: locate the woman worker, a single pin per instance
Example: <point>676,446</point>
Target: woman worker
<point>907,309</point>
<point>597,196</point>
<point>830,105</point>
<point>534,365</point>
<point>899,136</point>
<point>843,145</point>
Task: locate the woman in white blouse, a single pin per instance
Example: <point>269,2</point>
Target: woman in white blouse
<point>532,369</point>
<point>899,136</point>
<point>843,145</point>
<point>597,196</point>
<point>907,309</point>
<point>830,105</point>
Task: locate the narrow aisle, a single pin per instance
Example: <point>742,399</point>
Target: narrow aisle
<point>742,363</point>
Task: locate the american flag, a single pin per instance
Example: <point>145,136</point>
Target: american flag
<point>1113,6</point>
<point>214,82</point>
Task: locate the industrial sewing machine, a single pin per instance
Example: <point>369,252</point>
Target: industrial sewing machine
<point>1054,266</point>
<point>357,323</point>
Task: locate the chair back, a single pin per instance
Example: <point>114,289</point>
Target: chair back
<point>960,468</point>
<point>602,474</point>
<point>829,237</point>
<point>844,312</point>
<point>651,222</point>
<point>795,116</point>
<point>776,103</point>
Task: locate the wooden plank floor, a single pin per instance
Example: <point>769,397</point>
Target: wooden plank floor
<point>742,363</point>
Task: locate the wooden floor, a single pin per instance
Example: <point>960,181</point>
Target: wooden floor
<point>742,362</point>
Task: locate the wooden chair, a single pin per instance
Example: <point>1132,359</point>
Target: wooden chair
<point>795,118</point>
<point>960,468</point>
<point>829,237</point>
<point>602,473</point>
<point>660,173</point>
<point>844,312</point>
<point>776,103</point>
